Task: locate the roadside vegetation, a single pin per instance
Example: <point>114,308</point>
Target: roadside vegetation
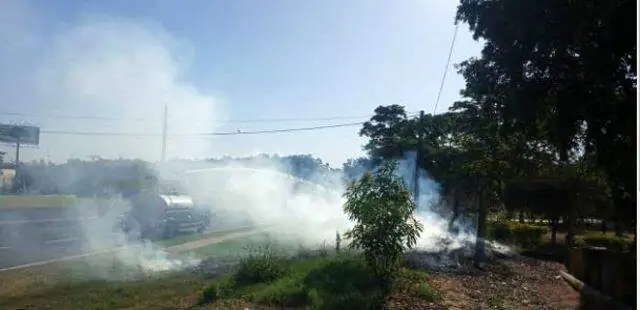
<point>545,130</point>
<point>361,276</point>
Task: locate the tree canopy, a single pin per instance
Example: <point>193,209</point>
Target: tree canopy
<point>548,107</point>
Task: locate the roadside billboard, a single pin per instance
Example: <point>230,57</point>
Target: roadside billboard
<point>29,135</point>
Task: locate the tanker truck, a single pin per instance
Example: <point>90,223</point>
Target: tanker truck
<point>157,216</point>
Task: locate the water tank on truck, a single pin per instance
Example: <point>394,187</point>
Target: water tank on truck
<point>157,216</point>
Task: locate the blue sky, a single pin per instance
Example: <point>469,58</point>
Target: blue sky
<point>211,61</point>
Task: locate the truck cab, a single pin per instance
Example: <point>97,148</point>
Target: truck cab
<point>158,216</point>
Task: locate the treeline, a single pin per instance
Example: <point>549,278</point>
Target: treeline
<point>104,177</point>
<point>547,124</point>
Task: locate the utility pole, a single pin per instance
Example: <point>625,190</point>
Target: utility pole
<point>164,135</point>
<point>17,154</point>
<point>16,133</point>
<point>416,171</point>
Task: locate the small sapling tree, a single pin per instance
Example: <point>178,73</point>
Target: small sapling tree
<point>382,209</point>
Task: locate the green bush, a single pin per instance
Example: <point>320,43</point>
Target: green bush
<point>426,292</point>
<point>528,236</point>
<point>500,231</point>
<point>382,208</point>
<point>286,292</point>
<point>524,235</point>
<point>614,243</point>
<point>340,282</point>
<point>221,289</point>
<point>260,267</point>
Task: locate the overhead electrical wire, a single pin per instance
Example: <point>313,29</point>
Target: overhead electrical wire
<point>446,68</point>
<point>201,134</point>
<point>231,121</point>
<point>230,133</point>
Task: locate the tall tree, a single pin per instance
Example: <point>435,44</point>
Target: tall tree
<point>567,67</point>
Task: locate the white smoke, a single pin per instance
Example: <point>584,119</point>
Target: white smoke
<point>131,252</point>
<point>430,212</point>
<point>126,71</point>
<point>122,73</point>
<point>294,210</point>
<point>310,213</point>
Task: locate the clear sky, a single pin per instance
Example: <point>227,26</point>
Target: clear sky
<point>214,61</point>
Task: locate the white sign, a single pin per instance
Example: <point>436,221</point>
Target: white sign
<point>25,134</point>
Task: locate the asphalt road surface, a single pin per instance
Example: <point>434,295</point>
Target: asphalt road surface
<point>62,249</point>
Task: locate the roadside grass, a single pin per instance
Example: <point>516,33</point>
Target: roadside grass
<point>324,281</point>
<point>61,284</point>
<point>267,276</point>
<point>172,291</point>
<point>195,237</point>
<point>231,248</point>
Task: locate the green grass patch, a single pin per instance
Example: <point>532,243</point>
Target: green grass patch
<point>609,241</point>
<point>195,237</point>
<point>321,282</point>
<point>151,293</point>
<point>526,236</point>
<point>231,249</point>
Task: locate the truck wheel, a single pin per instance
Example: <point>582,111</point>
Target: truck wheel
<point>169,233</point>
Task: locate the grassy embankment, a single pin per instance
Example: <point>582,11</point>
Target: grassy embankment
<point>316,280</point>
<point>266,276</point>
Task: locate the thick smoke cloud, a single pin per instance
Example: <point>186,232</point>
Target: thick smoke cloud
<point>119,71</point>
<point>125,69</point>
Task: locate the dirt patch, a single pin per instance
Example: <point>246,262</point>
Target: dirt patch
<point>507,284</point>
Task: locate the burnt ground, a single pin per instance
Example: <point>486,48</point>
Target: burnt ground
<point>504,282</point>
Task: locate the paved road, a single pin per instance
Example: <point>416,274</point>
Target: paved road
<point>65,255</point>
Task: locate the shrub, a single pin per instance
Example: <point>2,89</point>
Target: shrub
<point>344,283</point>
<point>218,290</point>
<point>288,292</point>
<point>524,235</point>
<point>260,267</point>
<point>614,243</point>
<point>382,209</point>
<point>500,231</point>
<point>528,236</point>
<point>425,291</point>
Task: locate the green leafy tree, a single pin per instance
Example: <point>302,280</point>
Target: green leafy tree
<point>382,209</point>
<point>565,69</point>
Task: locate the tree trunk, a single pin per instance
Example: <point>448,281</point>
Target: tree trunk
<point>479,256</point>
<point>456,213</point>
<point>571,218</point>
<point>619,228</point>
<point>554,230</point>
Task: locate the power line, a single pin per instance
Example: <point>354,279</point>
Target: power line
<point>87,133</point>
<point>239,132</point>
<point>446,68</point>
<point>60,116</point>
<point>201,134</point>
<point>138,119</point>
